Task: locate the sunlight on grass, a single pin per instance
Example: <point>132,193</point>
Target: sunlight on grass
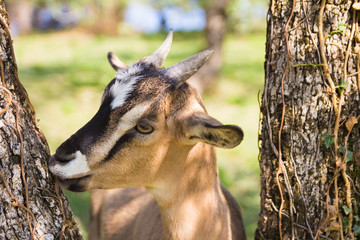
<point>65,74</point>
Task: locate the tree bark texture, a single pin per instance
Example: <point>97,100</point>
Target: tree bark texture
<point>30,205</point>
<point>310,143</point>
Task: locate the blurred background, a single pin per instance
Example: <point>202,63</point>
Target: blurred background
<point>61,49</point>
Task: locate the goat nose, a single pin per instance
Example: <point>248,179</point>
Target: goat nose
<point>63,157</point>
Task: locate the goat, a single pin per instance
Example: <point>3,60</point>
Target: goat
<point>153,138</point>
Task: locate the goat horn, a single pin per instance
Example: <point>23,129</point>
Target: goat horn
<point>183,70</point>
<point>115,62</point>
<point>159,56</point>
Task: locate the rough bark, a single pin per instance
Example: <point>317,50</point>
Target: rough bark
<point>304,130</point>
<point>215,32</point>
<point>34,204</point>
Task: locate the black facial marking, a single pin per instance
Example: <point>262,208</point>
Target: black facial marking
<point>127,137</point>
<point>107,97</point>
<point>66,151</point>
<point>86,136</point>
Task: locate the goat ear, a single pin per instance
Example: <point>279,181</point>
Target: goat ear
<point>201,127</point>
<point>115,62</point>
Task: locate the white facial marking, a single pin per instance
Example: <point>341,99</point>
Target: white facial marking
<point>130,71</point>
<point>130,119</point>
<point>124,85</point>
<point>76,166</point>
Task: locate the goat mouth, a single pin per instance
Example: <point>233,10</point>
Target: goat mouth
<point>78,184</point>
<point>65,179</point>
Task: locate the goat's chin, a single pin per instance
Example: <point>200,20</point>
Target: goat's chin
<point>75,184</point>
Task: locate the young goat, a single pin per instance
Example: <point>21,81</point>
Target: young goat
<point>153,136</point>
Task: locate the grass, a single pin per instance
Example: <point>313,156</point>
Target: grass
<point>66,72</point>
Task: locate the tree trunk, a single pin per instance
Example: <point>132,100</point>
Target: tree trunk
<point>109,14</point>
<point>310,143</point>
<point>20,13</point>
<point>215,32</point>
<point>31,206</point>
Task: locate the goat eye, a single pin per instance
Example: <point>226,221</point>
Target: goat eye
<point>144,128</point>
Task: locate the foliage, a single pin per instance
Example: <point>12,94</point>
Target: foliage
<point>328,139</point>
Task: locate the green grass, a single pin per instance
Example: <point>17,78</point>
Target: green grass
<point>65,74</point>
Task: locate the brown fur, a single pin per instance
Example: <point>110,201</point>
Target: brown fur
<point>133,214</point>
<point>182,198</point>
